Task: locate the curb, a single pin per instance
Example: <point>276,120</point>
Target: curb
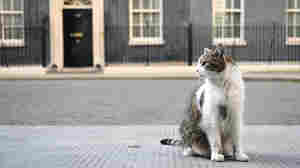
<point>250,72</point>
<point>272,76</point>
<point>247,77</point>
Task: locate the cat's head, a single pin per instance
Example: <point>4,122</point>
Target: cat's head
<point>212,62</point>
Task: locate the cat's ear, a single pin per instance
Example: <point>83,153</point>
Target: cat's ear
<point>206,51</point>
<point>220,50</point>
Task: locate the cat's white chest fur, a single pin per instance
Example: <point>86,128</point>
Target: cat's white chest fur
<point>216,94</point>
<point>212,99</point>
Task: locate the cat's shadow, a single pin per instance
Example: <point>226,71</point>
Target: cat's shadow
<point>266,159</point>
<point>227,157</point>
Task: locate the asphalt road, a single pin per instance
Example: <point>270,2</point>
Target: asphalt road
<point>132,102</point>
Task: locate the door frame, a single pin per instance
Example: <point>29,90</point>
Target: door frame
<point>56,31</point>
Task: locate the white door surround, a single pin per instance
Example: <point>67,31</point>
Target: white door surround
<point>56,29</point>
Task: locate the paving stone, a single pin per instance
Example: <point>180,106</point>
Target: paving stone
<point>136,147</point>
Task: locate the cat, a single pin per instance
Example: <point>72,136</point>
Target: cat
<point>212,121</point>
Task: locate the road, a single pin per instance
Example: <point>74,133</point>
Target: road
<point>131,102</point>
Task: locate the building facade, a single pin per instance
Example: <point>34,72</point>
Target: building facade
<point>252,30</point>
<point>90,33</point>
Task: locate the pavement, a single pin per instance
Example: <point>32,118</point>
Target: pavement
<point>136,146</point>
<point>154,71</point>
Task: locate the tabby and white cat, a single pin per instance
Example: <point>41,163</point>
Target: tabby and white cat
<point>212,121</point>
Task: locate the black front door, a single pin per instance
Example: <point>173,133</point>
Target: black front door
<point>78,43</point>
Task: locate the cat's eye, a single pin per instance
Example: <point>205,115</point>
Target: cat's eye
<point>203,63</point>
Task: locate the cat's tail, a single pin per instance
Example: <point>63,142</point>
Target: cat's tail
<point>171,142</point>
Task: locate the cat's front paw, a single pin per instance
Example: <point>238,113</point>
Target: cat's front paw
<point>241,157</point>
<point>217,157</point>
<point>187,151</point>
